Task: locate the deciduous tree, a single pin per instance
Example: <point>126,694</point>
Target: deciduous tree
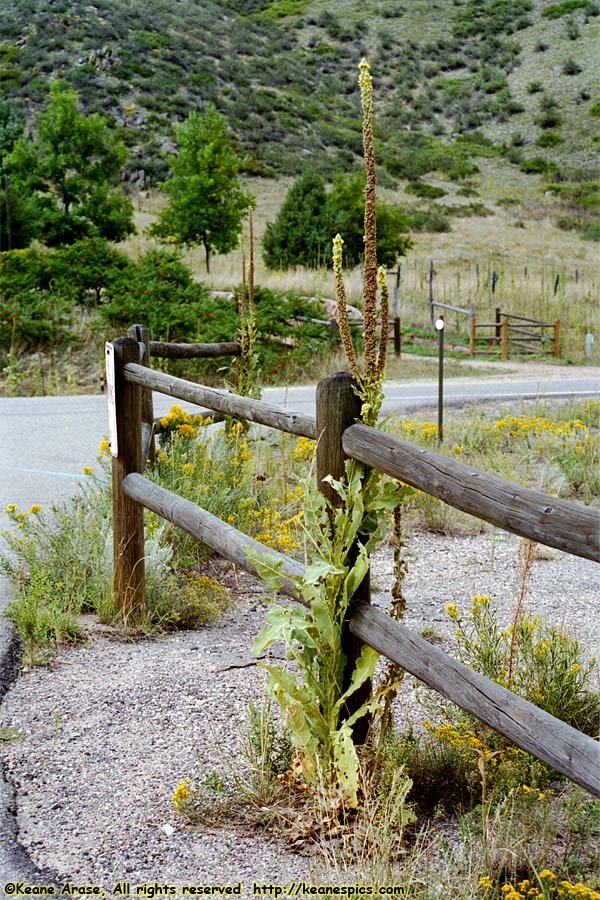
<point>71,172</point>
<point>207,204</point>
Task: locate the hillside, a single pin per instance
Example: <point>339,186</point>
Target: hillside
<point>523,73</point>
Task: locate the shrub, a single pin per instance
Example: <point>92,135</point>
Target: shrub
<point>310,218</point>
<point>38,298</point>
<point>302,232</point>
<point>592,231</point>
<point>158,290</point>
<point>433,219</point>
<point>549,139</point>
<point>556,10</point>
<point>571,67</point>
<point>549,119</point>
<point>413,155</point>
<point>537,165</point>
<point>537,661</point>
<point>422,189</point>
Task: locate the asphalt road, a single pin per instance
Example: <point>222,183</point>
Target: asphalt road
<point>45,441</point>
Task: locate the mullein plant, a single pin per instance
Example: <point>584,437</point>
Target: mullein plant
<point>246,368</point>
<point>315,695</point>
<point>369,382</point>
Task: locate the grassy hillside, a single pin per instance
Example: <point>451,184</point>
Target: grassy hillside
<point>521,72</point>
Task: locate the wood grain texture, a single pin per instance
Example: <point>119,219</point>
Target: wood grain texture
<point>338,407</point>
<point>562,524</point>
<point>228,404</point>
<point>128,516</point>
<point>141,334</point>
<point>216,534</point>
<point>193,351</point>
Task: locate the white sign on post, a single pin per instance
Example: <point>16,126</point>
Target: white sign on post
<point>110,396</point>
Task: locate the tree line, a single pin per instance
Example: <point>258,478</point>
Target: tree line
<point>61,183</point>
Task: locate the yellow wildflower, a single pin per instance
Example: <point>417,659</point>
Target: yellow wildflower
<point>35,508</point>
<point>451,610</point>
<point>87,470</point>
<point>11,508</point>
<point>181,793</point>
<point>185,430</point>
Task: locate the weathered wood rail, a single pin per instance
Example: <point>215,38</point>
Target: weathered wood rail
<point>562,524</point>
<point>568,526</point>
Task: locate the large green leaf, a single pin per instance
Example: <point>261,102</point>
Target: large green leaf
<point>365,666</point>
<point>346,764</point>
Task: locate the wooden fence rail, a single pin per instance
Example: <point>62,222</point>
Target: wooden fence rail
<point>557,744</point>
<point>194,351</point>
<point>229,404</point>
<point>394,334</point>
<point>562,524</point>
<point>569,526</point>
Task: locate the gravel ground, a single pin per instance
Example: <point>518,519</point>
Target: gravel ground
<point>110,727</point>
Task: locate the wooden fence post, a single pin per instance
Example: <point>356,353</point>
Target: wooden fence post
<point>472,329</point>
<point>498,318</point>
<point>397,337</point>
<point>334,334</point>
<point>141,334</point>
<point>338,407</point>
<point>128,516</point>
<point>504,338</point>
<point>556,339</point>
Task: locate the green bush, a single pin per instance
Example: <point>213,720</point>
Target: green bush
<point>549,119</point>
<point>412,155</point>
<point>158,291</point>
<point>38,298</point>
<point>571,67</point>
<point>309,219</point>
<point>549,139</point>
<point>277,326</point>
<point>557,10</point>
<point>592,231</point>
<point>302,232</point>
<point>433,219</point>
<point>422,189</point>
<point>537,165</point>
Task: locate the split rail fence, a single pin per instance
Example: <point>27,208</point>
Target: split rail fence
<point>565,525</point>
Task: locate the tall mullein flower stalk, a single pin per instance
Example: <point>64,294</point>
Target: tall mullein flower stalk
<point>342,307</point>
<point>384,315</point>
<point>246,360</point>
<point>365,82</point>
<point>369,382</point>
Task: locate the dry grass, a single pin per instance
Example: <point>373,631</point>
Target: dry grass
<point>519,242</point>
